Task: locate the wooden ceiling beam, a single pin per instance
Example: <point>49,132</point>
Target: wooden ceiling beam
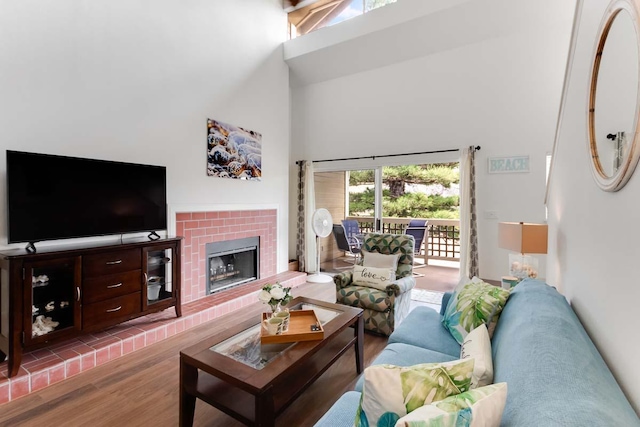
<point>317,15</point>
<point>331,5</point>
<point>291,5</point>
<point>321,20</point>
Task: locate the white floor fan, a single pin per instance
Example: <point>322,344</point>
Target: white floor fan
<point>322,225</point>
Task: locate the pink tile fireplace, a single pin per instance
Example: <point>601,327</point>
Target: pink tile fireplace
<point>200,228</point>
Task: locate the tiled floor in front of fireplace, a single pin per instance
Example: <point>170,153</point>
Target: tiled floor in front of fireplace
<point>44,367</point>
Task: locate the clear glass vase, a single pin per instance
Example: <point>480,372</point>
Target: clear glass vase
<point>275,307</point>
<point>523,266</point>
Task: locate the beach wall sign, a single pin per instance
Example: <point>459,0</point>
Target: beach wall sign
<point>511,164</point>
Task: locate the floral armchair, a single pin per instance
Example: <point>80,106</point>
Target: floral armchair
<point>383,309</point>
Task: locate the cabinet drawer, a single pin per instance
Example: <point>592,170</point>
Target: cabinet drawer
<point>114,285</point>
<point>111,262</point>
<point>109,312</point>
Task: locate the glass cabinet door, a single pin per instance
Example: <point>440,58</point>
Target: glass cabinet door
<point>52,298</point>
<point>158,275</point>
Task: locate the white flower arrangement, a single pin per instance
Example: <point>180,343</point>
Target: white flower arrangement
<point>275,294</point>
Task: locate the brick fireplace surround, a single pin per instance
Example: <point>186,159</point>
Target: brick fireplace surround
<point>200,228</point>
<point>45,367</point>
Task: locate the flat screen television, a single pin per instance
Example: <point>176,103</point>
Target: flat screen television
<point>55,197</point>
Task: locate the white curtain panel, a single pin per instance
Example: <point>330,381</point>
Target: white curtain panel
<point>309,208</point>
<point>465,211</point>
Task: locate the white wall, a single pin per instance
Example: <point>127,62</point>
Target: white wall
<point>136,80</point>
<point>594,235</point>
<point>500,91</point>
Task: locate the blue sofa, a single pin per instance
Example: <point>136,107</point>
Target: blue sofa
<point>555,375</point>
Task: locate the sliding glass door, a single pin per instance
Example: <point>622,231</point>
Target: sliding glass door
<point>385,198</point>
<point>364,198</point>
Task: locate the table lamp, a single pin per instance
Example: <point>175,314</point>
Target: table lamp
<point>523,238</point>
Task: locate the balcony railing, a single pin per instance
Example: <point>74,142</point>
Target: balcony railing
<point>443,238</point>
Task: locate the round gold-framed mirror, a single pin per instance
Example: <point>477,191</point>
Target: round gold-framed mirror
<point>614,96</point>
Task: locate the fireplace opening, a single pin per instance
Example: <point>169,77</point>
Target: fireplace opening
<point>232,263</point>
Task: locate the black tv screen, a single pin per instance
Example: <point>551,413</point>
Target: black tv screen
<point>56,197</point>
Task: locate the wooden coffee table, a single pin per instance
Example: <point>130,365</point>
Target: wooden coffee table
<point>255,383</point>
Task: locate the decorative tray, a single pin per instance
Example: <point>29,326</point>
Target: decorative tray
<point>300,323</point>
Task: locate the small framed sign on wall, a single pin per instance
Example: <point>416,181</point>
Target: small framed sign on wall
<point>511,164</point>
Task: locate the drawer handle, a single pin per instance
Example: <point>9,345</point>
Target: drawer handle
<point>114,262</point>
<point>117,285</point>
<point>114,309</point>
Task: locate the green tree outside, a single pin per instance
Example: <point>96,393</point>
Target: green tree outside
<point>397,202</point>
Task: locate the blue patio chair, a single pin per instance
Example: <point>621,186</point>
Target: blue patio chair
<point>418,229</point>
<point>351,246</point>
<point>351,229</point>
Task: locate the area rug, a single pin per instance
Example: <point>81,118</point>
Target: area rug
<point>423,295</point>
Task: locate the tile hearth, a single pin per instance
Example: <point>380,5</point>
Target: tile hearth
<point>41,368</point>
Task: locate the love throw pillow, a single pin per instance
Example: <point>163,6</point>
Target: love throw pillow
<point>372,277</point>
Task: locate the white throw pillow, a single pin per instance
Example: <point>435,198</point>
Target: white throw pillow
<point>375,259</point>
<point>372,277</point>
<point>477,345</point>
<point>391,392</point>
<point>482,407</point>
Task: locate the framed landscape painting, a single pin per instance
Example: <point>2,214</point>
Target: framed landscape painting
<point>233,152</point>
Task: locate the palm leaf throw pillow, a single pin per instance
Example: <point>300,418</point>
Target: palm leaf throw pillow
<point>473,304</point>
<point>390,392</point>
<point>479,407</point>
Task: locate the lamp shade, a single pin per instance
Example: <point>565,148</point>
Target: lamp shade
<point>523,237</point>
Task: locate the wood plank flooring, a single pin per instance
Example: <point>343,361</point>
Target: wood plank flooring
<point>141,389</point>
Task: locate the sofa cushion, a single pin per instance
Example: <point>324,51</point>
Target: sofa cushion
<point>400,354</point>
<point>480,407</point>
<point>422,328</point>
<point>391,392</point>
<point>342,413</point>
<point>445,302</point>
<point>473,304</point>
<point>555,374</point>
<point>364,297</point>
